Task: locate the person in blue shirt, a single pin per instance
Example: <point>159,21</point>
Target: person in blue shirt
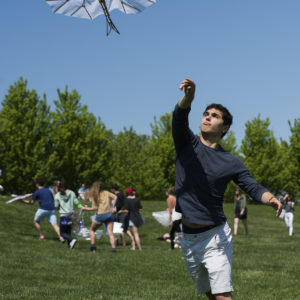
<point>203,170</point>
<point>82,191</point>
<point>47,209</point>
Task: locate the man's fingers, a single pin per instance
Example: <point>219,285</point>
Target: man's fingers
<point>277,206</point>
<point>188,85</point>
<point>278,212</point>
<point>183,84</point>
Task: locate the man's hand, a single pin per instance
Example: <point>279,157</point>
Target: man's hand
<point>276,204</point>
<point>189,88</point>
<point>85,207</point>
<point>28,201</point>
<point>269,199</point>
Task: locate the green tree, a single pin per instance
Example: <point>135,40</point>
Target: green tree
<point>289,180</point>
<point>229,144</point>
<point>162,141</point>
<point>127,147</point>
<point>295,157</point>
<point>157,162</point>
<point>81,149</point>
<point>24,129</point>
<point>260,152</point>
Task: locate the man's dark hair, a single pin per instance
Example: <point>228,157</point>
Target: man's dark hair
<point>226,115</point>
<point>115,187</point>
<point>40,182</point>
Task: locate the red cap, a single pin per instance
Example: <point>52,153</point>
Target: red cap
<point>129,192</point>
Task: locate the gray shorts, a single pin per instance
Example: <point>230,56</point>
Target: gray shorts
<point>208,257</point>
<point>42,213</point>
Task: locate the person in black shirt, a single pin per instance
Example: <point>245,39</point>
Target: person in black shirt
<point>123,216</point>
<point>203,170</point>
<point>134,207</point>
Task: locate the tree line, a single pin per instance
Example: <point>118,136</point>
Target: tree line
<point>71,143</point>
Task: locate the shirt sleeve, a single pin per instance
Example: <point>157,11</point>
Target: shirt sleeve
<point>247,183</point>
<point>76,202</point>
<point>111,196</point>
<point>180,128</point>
<point>34,196</point>
<point>243,202</point>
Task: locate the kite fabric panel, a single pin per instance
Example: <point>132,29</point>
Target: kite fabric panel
<point>90,9</point>
<point>18,198</point>
<point>129,6</point>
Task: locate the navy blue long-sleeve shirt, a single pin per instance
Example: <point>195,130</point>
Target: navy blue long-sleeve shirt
<point>203,173</point>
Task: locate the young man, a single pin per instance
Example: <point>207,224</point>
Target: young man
<point>203,170</point>
<point>65,200</point>
<point>47,209</point>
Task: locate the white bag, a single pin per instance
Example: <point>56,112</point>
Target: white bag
<point>84,234</point>
<point>118,227</point>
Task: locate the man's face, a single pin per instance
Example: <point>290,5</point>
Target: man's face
<point>213,123</point>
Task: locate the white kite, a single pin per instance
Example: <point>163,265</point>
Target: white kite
<point>90,9</point>
<point>21,197</point>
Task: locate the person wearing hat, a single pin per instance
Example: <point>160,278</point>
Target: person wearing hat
<point>133,205</point>
<point>122,214</point>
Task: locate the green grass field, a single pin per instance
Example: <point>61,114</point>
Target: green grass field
<point>266,263</point>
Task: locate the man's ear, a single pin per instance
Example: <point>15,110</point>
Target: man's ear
<point>225,128</point>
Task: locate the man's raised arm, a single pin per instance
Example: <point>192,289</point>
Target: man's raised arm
<point>180,124</point>
<point>189,88</point>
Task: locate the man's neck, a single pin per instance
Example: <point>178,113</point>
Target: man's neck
<point>210,141</point>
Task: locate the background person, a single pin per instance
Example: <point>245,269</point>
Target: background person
<point>47,209</point>
<point>82,191</point>
<point>101,201</point>
<point>175,218</point>
<point>54,188</point>
<point>240,210</point>
<point>65,200</point>
<point>171,202</point>
<point>289,215</point>
<point>122,214</point>
<point>134,207</point>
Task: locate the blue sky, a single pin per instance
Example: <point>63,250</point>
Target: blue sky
<point>243,54</point>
